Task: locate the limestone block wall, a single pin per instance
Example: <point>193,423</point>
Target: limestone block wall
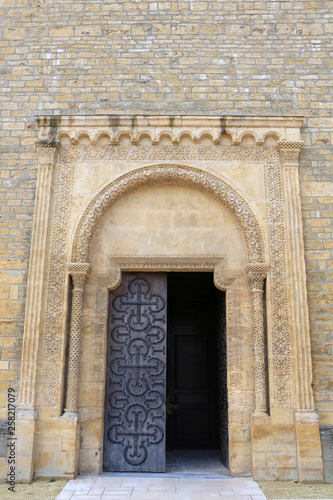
<point>166,57</point>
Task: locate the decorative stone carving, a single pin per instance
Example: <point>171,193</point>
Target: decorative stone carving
<point>56,303</point>
<point>223,278</point>
<point>281,393</point>
<point>79,272</point>
<point>166,262</point>
<point>226,143</point>
<point>299,315</point>
<point>46,161</point>
<point>84,153</point>
<point>168,174</point>
<point>289,151</point>
<point>257,274</point>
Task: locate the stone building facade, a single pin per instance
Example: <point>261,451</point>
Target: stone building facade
<point>167,136</point>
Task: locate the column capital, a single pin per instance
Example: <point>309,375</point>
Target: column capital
<point>289,152</point>
<point>47,151</point>
<point>257,273</point>
<point>79,272</point>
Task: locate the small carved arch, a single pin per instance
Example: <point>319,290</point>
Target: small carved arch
<point>206,137</point>
<point>186,138</point>
<point>83,138</point>
<point>64,139</point>
<point>124,138</point>
<point>248,139</point>
<point>205,182</point>
<point>144,138</point>
<point>165,138</point>
<point>271,139</point>
<point>103,138</point>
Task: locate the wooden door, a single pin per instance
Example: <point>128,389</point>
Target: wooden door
<point>192,362</point>
<point>134,425</point>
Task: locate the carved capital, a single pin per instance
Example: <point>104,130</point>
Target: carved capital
<point>289,152</point>
<point>257,273</point>
<point>47,151</point>
<point>79,272</point>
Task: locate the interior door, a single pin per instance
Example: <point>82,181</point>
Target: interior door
<point>134,425</point>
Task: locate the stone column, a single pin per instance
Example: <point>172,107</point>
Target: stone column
<point>79,273</point>
<point>308,442</point>
<point>47,153</point>
<point>257,274</point>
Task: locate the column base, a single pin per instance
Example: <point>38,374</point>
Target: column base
<point>274,446</point>
<point>309,452</point>
<point>70,430</point>
<point>25,433</point>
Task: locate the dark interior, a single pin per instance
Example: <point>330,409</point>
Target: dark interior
<point>193,385</point>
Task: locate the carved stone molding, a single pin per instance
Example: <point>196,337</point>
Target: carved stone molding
<point>168,174</point>
<point>281,392</point>
<point>298,306</point>
<point>79,272</point>
<point>196,129</point>
<point>36,278</point>
<point>166,262</point>
<point>57,290</point>
<point>223,277</point>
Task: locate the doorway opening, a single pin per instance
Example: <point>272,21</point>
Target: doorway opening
<point>197,421</point>
<point>166,352</point>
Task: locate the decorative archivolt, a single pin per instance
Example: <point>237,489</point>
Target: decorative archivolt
<point>205,182</point>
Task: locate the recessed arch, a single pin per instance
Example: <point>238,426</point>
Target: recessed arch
<point>208,183</point>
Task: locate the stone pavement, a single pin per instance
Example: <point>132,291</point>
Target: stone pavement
<point>159,487</point>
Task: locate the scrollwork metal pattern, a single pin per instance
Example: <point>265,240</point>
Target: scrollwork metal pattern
<point>135,413</point>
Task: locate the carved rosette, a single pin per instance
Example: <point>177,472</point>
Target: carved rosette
<point>79,272</point>
<point>47,153</point>
<point>257,274</point>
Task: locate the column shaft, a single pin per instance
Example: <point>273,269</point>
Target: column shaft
<point>79,273</point>
<point>257,275</point>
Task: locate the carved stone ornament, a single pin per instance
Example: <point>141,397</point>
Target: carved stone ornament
<point>238,128</point>
<point>79,272</point>
<point>257,274</point>
<point>168,174</point>
<point>289,151</point>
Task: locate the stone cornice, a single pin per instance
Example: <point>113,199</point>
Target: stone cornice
<point>73,128</point>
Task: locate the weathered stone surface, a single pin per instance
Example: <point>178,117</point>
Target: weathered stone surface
<point>326,434</point>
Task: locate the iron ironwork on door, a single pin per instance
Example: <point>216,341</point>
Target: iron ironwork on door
<point>136,375</point>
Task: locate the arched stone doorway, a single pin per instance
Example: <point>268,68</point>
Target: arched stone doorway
<point>161,220</point>
<point>162,223</point>
<point>253,181</point>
